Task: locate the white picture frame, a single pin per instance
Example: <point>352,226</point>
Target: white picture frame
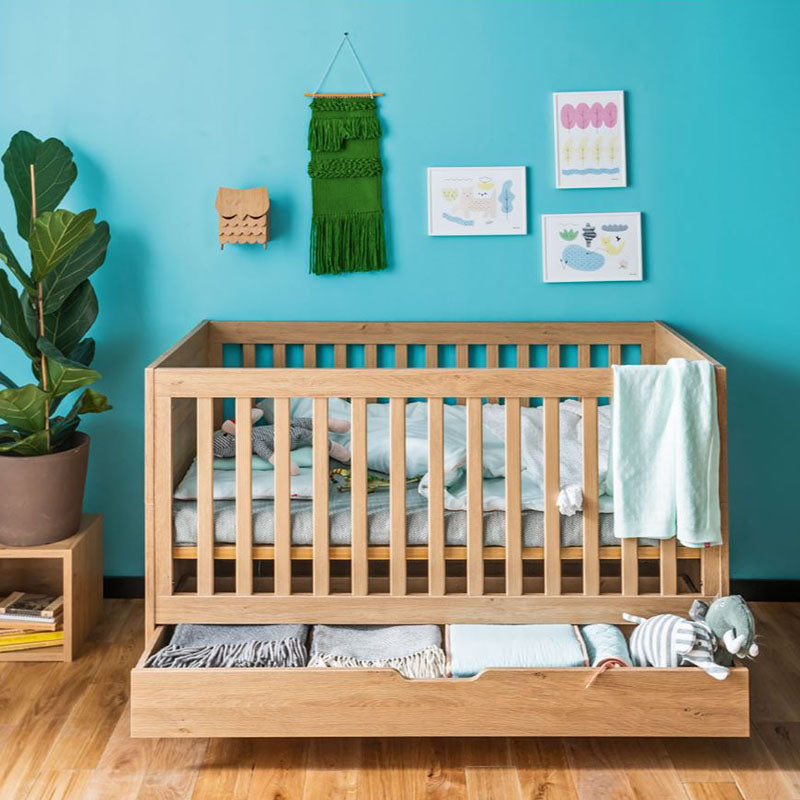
<point>477,201</point>
<point>589,138</point>
<point>588,248</point>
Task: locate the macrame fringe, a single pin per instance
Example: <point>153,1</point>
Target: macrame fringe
<point>328,134</point>
<point>351,242</point>
<point>279,653</point>
<point>427,663</point>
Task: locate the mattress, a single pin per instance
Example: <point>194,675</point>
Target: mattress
<point>339,511</point>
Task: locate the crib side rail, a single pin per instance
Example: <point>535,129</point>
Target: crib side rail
<point>362,582</point>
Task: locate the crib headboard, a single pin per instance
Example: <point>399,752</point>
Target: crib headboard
<point>515,363</point>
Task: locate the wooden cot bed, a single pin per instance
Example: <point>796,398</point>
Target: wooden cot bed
<point>189,389</point>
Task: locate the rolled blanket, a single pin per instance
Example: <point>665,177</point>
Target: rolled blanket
<point>234,646</point>
<point>605,644</point>
<point>473,648</point>
<point>415,651</point>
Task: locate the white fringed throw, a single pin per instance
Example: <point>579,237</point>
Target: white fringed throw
<point>234,646</point>
<point>415,651</point>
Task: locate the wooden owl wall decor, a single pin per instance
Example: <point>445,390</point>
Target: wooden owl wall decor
<point>243,216</point>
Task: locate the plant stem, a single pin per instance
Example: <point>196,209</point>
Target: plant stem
<point>40,316</point>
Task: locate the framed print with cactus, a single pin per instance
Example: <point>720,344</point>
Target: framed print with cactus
<point>476,201</point>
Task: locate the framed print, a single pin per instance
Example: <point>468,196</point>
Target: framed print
<point>477,201</point>
<point>589,139</point>
<point>580,248</point>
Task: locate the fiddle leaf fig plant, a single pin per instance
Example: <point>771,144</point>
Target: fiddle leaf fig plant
<point>50,312</point>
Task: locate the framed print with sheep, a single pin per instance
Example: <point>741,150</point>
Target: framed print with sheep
<point>589,139</point>
<point>476,201</point>
<point>580,248</point>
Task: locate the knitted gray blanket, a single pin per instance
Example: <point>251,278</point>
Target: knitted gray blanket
<point>413,650</point>
<point>234,646</point>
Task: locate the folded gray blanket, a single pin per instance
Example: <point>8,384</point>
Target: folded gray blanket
<point>234,646</point>
<point>413,650</point>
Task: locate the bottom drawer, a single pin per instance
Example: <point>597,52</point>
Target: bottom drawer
<point>380,702</point>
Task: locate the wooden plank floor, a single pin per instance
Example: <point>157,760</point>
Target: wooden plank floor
<point>64,734</point>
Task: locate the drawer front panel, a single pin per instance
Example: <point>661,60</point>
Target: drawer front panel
<point>324,702</point>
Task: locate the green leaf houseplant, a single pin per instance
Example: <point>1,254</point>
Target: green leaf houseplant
<point>47,314</point>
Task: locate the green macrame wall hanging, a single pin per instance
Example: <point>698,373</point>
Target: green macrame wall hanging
<point>347,233</point>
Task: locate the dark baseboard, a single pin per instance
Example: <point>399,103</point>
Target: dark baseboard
<point>751,589</point>
<point>761,590</point>
<point>126,587</point>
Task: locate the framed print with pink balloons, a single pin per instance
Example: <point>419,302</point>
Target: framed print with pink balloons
<point>589,139</point>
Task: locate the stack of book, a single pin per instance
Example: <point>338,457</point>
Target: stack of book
<point>29,621</point>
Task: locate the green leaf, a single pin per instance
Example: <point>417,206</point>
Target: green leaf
<point>55,172</point>
<point>76,268</point>
<point>61,429</point>
<point>7,382</point>
<point>56,235</point>
<point>37,444</point>
<point>64,376</point>
<point>92,402</point>
<point>84,352</point>
<point>8,257</point>
<point>67,326</point>
<point>12,318</point>
<point>24,407</point>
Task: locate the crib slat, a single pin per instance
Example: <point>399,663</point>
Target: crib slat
<point>205,496</point>
<point>283,534</point>
<point>436,574</point>
<point>358,463</point>
<point>321,566</point>
<point>513,498</point>
<point>248,355</point>
<point>340,356</point>
<point>584,355</point>
<point>309,356</point>
<point>630,566</point>
<point>162,496</point>
<point>474,496</point>
<point>629,569</point>
<point>397,496</point>
<point>552,521</point>
<point>279,355</point>
<point>400,356</point>
<point>668,566</point>
<point>591,527</point>
<point>523,362</point>
<point>462,362</point>
<point>492,362</point>
<point>244,498</point>
<point>371,362</point>
<point>553,355</point>
<point>431,356</point>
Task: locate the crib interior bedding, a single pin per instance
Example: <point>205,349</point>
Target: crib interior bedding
<point>472,524</point>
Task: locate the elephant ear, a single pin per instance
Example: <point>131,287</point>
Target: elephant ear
<point>698,611</point>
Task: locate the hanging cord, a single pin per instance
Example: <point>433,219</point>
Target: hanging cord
<point>611,663</point>
<point>345,38</point>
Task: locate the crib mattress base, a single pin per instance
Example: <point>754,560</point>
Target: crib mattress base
<point>380,702</point>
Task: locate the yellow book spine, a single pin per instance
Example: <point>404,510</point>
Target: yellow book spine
<point>31,637</point>
<point>8,648</point>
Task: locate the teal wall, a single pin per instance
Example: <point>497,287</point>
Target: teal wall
<point>162,102</point>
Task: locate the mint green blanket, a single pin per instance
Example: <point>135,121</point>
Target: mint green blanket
<point>665,452</point>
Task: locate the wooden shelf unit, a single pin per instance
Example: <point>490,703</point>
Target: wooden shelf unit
<point>72,567</point>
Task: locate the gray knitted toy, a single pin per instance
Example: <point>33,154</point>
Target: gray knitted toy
<point>301,434</point>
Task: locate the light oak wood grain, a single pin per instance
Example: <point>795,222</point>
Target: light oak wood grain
<point>37,701</point>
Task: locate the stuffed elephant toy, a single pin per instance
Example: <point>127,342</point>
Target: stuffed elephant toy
<point>708,640</point>
<point>301,434</point>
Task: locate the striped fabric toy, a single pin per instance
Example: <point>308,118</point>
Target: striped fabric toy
<point>667,640</point>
